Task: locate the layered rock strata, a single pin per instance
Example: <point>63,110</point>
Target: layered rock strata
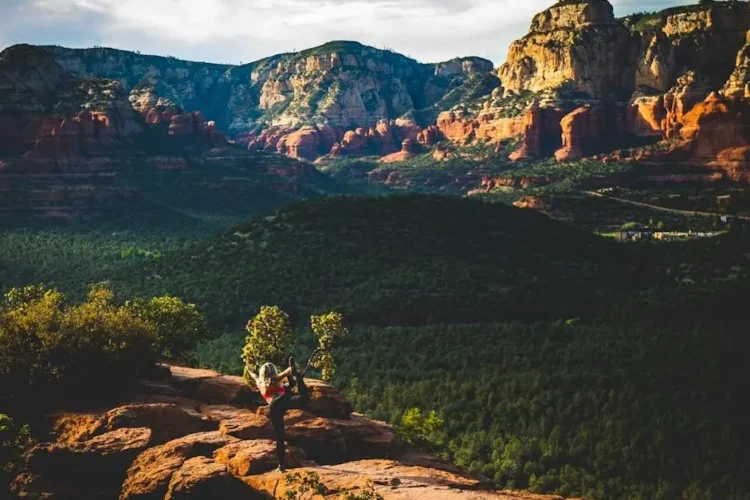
<point>202,435</point>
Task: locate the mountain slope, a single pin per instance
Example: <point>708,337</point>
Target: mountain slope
<point>392,260</point>
<point>74,147</point>
<point>343,83</point>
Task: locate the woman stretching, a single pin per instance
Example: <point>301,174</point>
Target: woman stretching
<point>279,397</point>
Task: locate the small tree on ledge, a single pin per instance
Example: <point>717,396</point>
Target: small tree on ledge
<point>330,330</point>
<point>270,339</point>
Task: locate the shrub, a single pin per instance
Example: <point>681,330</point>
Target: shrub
<point>14,441</point>
<point>330,330</point>
<point>52,351</point>
<point>178,326</point>
<point>421,429</point>
<point>271,338</point>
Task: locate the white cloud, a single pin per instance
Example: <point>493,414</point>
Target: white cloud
<point>245,30</point>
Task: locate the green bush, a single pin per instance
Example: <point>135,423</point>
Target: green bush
<point>270,339</point>
<point>426,430</point>
<point>14,441</point>
<point>330,331</point>
<point>52,351</point>
<point>178,326</point>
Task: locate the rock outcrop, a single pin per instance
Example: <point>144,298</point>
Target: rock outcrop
<point>407,151</point>
<point>193,443</point>
<point>738,85</point>
<point>716,132</point>
<point>578,44</point>
<point>338,86</point>
<point>591,129</point>
<point>581,82</point>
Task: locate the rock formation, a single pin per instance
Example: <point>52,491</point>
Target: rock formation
<point>738,85</point>
<point>198,434</point>
<point>716,132</point>
<point>579,83</point>
<point>579,44</point>
<point>407,151</point>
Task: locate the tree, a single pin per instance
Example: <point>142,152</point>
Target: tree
<point>178,326</point>
<point>330,330</point>
<point>17,298</point>
<point>50,350</point>
<point>14,441</point>
<point>270,339</point>
<point>417,428</point>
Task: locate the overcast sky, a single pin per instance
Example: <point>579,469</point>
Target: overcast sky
<point>235,31</point>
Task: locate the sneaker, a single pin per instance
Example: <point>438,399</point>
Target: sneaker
<point>281,469</point>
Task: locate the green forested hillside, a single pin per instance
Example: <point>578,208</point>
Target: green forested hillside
<point>600,411</point>
<point>394,260</point>
<point>560,361</point>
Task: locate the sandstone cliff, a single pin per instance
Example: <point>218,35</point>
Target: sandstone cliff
<point>581,82</point>
<point>342,84</point>
<point>579,44</point>
<point>198,434</point>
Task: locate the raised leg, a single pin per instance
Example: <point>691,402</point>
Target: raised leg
<point>300,400</point>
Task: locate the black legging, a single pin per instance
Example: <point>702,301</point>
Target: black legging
<point>279,406</point>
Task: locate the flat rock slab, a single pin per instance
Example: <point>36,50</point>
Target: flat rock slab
<point>167,421</point>
<point>248,427</point>
<point>391,480</point>
<point>247,458</point>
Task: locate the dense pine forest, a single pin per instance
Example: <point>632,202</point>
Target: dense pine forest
<point>553,360</point>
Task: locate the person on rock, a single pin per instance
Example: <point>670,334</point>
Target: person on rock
<point>280,399</point>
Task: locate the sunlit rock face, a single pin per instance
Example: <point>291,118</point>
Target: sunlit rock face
<point>580,44</point>
<point>202,435</point>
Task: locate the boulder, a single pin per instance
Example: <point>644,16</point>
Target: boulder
<point>247,458</point>
<point>201,478</point>
<point>366,438</point>
<point>326,400</point>
<point>212,387</point>
<point>224,389</point>
<point>531,202</point>
<point>352,143</point>
<point>320,438</point>
<point>167,421</point>
<point>83,469</point>
<point>247,426</point>
<point>150,474</point>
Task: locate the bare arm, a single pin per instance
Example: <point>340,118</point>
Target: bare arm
<point>255,377</point>
<point>281,376</point>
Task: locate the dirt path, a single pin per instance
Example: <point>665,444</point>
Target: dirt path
<point>664,209</point>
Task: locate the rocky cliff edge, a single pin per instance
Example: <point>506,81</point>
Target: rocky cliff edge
<point>199,434</point>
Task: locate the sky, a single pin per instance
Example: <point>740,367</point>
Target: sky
<point>237,31</point>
